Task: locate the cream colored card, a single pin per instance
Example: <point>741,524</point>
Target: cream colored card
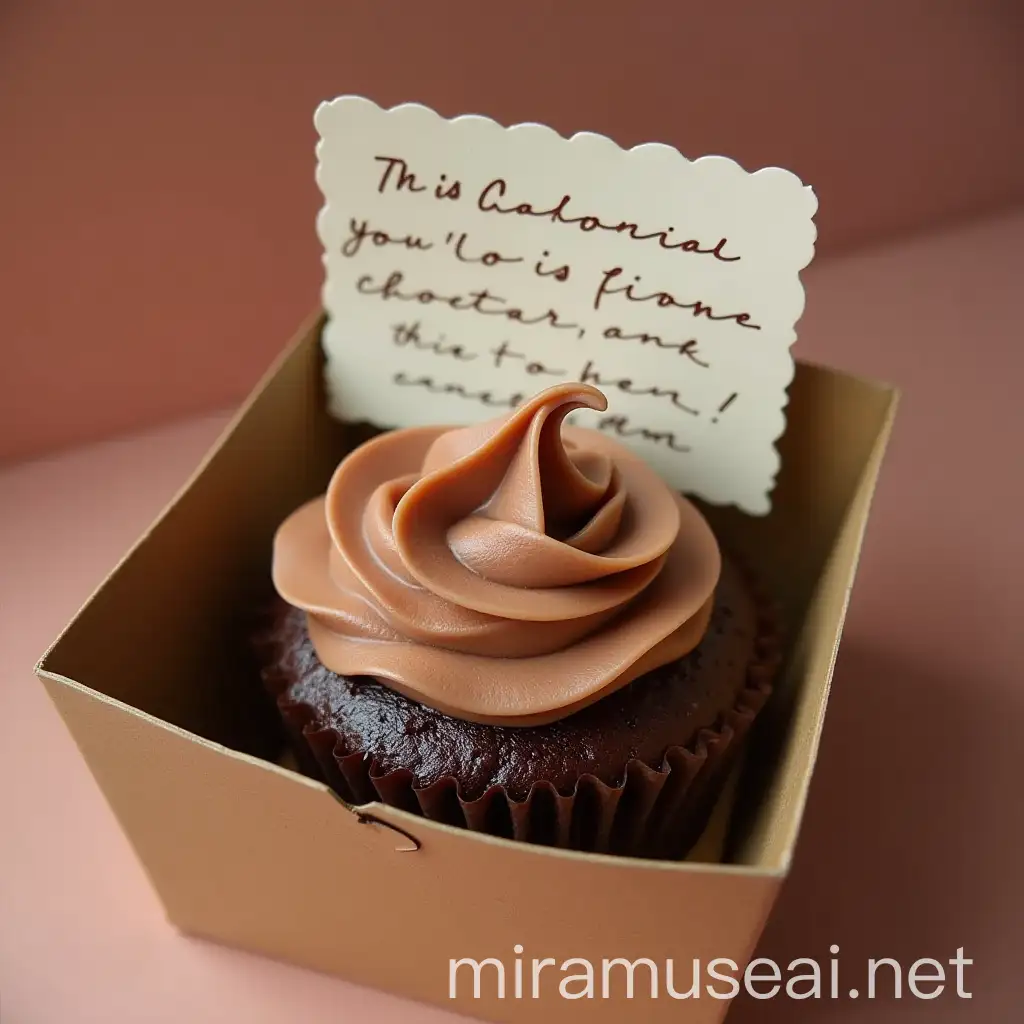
<point>468,266</point>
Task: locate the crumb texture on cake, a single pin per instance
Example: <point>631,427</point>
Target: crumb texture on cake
<point>665,708</point>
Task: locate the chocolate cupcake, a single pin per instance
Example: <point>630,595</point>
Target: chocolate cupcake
<point>517,627</point>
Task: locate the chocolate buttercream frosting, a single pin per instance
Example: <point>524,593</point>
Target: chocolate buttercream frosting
<point>509,572</point>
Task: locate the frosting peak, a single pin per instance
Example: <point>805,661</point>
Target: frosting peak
<point>510,520</point>
<point>510,572</point>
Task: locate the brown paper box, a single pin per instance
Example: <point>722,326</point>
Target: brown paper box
<point>154,681</point>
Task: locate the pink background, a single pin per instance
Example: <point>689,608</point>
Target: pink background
<point>157,159</point>
<point>163,249</point>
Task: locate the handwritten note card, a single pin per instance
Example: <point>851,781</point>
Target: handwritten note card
<point>468,266</point>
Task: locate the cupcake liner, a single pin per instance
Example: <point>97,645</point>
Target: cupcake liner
<point>656,812</point>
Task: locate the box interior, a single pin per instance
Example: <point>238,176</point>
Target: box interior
<point>281,450</point>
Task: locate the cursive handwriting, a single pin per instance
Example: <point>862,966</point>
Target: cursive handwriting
<point>359,231</point>
<point>559,273</point>
<point>663,299</point>
<point>531,366</point>
<point>488,259</point>
<point>684,348</point>
<point>397,174</point>
<point>408,336</point>
<point>487,398</point>
<point>621,426</point>
<point>589,375</point>
<point>488,202</point>
<point>481,301</point>
<point>405,179</point>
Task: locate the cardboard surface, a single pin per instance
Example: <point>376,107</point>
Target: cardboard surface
<point>153,682</point>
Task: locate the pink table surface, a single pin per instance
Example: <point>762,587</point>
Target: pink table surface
<point>913,843</point>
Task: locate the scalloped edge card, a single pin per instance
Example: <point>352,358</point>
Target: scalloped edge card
<point>469,266</point>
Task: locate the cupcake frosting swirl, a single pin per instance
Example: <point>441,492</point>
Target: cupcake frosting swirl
<point>508,572</point>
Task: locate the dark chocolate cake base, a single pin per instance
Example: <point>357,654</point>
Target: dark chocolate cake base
<point>600,779</point>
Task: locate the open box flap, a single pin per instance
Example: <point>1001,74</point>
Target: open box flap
<point>153,679</point>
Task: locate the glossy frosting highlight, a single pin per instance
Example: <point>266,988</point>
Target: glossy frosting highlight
<point>509,572</point>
